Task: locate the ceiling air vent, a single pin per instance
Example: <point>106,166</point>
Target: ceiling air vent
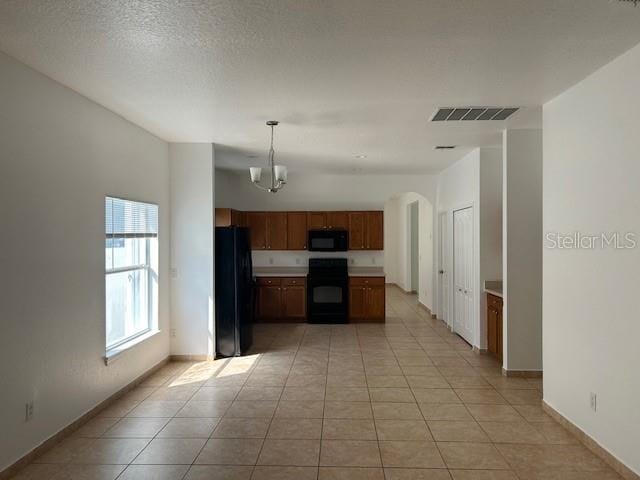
<point>444,147</point>
<point>453,114</point>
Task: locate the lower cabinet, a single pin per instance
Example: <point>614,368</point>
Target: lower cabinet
<point>281,299</point>
<point>366,299</point>
<point>284,299</point>
<point>494,325</point>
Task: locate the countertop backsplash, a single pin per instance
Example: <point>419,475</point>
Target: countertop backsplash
<point>283,258</point>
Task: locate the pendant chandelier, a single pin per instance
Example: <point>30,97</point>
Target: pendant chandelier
<point>278,172</point>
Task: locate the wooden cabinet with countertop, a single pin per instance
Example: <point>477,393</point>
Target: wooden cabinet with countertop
<point>366,299</point>
<point>494,325</point>
<point>281,299</point>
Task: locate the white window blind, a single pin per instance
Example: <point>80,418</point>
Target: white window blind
<point>129,219</point>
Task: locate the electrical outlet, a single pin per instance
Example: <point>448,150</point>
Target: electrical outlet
<point>298,261</point>
<point>270,260</point>
<point>373,260</point>
<point>28,411</point>
<point>593,402</point>
<point>173,272</point>
<point>352,261</point>
<point>172,332</point>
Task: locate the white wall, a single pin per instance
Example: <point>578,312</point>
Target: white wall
<point>522,252</point>
<point>475,180</point>
<point>320,191</point>
<point>590,301</point>
<point>192,227</point>
<point>397,244</point>
<point>459,187</point>
<point>60,154</point>
<point>490,217</point>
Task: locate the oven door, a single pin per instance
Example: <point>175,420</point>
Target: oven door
<point>327,300</point>
<point>327,241</point>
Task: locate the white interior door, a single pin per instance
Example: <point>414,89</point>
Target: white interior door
<point>443,272</point>
<point>463,273</point>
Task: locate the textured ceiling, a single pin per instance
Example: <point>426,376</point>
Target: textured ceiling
<point>345,77</point>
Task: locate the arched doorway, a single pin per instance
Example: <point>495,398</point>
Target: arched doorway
<point>408,252</point>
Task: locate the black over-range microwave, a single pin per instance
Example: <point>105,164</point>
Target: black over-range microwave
<point>328,241</point>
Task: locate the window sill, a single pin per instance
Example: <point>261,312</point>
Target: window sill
<point>113,354</point>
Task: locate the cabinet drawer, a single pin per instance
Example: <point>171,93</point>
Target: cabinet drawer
<point>276,281</point>
<point>366,280</point>
<point>294,281</point>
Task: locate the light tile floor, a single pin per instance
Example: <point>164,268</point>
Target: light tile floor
<point>404,400</point>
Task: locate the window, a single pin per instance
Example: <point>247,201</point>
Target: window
<point>131,269</point>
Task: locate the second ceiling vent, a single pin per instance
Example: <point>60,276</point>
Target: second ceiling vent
<point>453,114</point>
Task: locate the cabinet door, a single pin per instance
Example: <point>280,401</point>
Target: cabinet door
<point>356,231</point>
<point>375,231</point>
<point>499,334</point>
<point>237,218</point>
<point>316,220</point>
<point>269,301</point>
<point>223,217</point>
<point>257,223</point>
<point>294,302</point>
<point>338,220</point>
<point>276,231</point>
<point>297,231</point>
<point>357,302</point>
<point>375,303</point>
<point>492,332</point>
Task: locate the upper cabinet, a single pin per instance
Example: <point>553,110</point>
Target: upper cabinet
<point>276,231</point>
<point>227,217</point>
<point>338,220</point>
<point>374,224</point>
<point>366,230</point>
<point>289,230</point>
<point>316,220</point>
<point>297,230</point>
<point>257,223</point>
<point>357,231</point>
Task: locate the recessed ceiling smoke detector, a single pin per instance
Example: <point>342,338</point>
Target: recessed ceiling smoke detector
<point>453,114</point>
<point>444,147</point>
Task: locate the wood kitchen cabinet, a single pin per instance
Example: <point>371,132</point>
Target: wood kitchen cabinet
<point>494,325</point>
<point>356,230</point>
<point>374,231</point>
<point>316,220</point>
<point>366,230</point>
<point>294,299</point>
<point>289,230</point>
<point>276,231</point>
<point>257,223</point>
<point>268,230</point>
<point>281,299</point>
<point>227,217</point>
<point>338,220</point>
<point>297,231</point>
<point>366,299</point>
<point>328,220</point>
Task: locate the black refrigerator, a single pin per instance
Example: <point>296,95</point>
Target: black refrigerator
<point>234,291</point>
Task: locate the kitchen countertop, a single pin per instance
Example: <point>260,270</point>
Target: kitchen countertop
<point>302,271</point>
<point>493,287</point>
